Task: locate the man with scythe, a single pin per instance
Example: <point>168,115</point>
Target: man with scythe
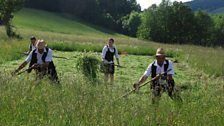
<point>162,72</point>
<point>41,61</point>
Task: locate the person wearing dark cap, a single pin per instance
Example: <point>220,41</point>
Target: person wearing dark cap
<point>32,45</point>
<point>108,53</point>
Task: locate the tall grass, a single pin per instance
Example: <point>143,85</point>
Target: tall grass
<point>79,102</point>
<point>12,50</point>
<point>209,60</point>
<point>97,47</point>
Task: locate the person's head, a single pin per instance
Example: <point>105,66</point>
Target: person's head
<point>33,40</point>
<point>41,46</point>
<point>160,55</point>
<point>111,42</point>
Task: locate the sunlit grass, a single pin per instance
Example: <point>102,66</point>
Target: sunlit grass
<point>79,102</point>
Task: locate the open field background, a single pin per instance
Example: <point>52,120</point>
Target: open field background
<point>80,102</point>
<point>68,35</point>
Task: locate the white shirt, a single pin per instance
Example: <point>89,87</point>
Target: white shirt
<point>39,56</point>
<point>160,70</point>
<point>32,47</point>
<point>105,49</point>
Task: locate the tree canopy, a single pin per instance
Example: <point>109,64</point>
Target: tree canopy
<point>7,8</point>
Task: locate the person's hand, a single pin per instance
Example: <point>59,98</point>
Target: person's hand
<point>136,86</point>
<point>158,76</point>
<point>169,77</point>
<point>15,72</point>
<point>35,66</point>
<point>105,62</point>
<point>118,65</point>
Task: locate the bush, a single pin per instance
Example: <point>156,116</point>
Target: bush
<point>89,66</point>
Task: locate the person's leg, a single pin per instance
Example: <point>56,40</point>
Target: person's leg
<point>106,77</point>
<point>156,94</point>
<point>173,94</point>
<point>170,89</point>
<point>112,70</point>
<point>111,78</point>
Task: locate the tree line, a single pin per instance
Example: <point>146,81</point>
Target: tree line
<point>177,23</point>
<point>168,22</point>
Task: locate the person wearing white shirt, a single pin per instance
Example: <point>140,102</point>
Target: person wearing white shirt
<point>156,69</point>
<point>32,45</point>
<point>41,61</point>
<point>108,53</point>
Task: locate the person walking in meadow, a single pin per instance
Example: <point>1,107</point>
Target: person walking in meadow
<point>32,45</point>
<point>41,61</point>
<point>162,71</point>
<point>108,53</point>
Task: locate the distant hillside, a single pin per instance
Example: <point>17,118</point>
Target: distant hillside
<point>212,6</point>
<point>44,24</point>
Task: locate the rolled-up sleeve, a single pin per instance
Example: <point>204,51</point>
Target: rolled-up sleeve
<point>116,53</point>
<point>170,69</point>
<point>29,57</point>
<point>49,56</point>
<point>104,51</point>
<point>148,71</point>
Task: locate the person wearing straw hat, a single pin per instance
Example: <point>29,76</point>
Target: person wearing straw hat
<point>156,68</point>
<point>108,53</point>
<point>41,61</point>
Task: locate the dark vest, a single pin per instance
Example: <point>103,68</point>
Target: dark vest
<point>51,70</point>
<point>30,47</point>
<point>34,58</point>
<point>154,68</point>
<point>110,55</point>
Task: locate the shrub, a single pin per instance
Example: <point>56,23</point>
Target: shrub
<point>88,65</point>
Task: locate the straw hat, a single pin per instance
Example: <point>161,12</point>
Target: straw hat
<point>41,44</point>
<point>160,52</point>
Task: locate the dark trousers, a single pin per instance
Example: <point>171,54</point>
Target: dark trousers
<point>158,89</point>
<point>51,71</point>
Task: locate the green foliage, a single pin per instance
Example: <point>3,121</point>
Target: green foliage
<point>218,32</point>
<point>131,23</point>
<point>89,66</point>
<point>203,29</point>
<point>167,23</point>
<point>176,23</point>
<point>7,8</point>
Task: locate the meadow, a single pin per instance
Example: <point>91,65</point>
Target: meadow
<point>81,102</point>
<point>78,101</point>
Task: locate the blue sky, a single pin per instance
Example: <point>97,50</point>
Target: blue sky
<point>146,3</point>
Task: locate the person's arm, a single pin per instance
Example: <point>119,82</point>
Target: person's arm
<point>144,77</point>
<point>48,60</point>
<point>170,72</point>
<point>117,56</point>
<point>28,59</point>
<point>104,51</point>
<point>21,66</point>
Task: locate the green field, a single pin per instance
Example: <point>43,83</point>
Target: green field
<point>80,102</point>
